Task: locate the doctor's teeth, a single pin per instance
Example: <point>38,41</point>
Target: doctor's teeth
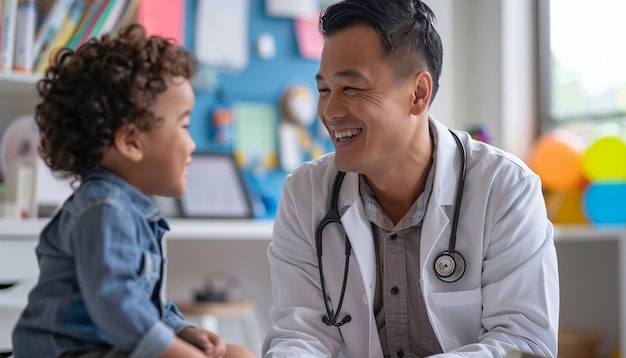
<point>349,133</point>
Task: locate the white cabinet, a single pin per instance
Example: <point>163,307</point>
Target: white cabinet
<point>18,268</point>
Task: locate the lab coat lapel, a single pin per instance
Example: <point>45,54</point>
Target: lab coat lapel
<point>359,231</point>
<point>432,231</point>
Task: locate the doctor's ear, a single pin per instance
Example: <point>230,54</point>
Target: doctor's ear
<point>422,91</point>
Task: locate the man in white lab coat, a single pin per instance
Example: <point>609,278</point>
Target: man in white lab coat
<point>405,285</point>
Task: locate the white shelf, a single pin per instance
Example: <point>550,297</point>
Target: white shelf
<point>586,233</point>
<point>194,229</point>
<point>18,83</point>
<point>199,229</point>
<point>241,229</point>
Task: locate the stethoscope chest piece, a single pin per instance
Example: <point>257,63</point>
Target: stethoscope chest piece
<point>449,267</point>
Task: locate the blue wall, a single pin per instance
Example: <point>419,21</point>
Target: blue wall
<point>262,81</point>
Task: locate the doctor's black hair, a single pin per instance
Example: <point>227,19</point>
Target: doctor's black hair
<point>107,83</point>
<point>406,29</point>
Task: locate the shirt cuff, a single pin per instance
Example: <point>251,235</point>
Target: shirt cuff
<point>155,342</point>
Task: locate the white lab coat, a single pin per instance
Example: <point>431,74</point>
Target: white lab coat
<point>508,298</point>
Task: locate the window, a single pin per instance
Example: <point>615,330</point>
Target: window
<point>583,62</point>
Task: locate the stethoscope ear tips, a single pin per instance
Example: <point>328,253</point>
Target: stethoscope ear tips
<point>449,267</point>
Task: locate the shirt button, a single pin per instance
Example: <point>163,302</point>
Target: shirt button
<point>400,353</point>
<point>394,291</point>
<point>393,236</point>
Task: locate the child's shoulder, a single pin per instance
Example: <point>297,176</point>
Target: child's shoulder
<point>97,193</point>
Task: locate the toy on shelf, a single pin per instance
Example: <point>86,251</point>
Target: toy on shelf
<point>481,132</point>
<point>298,112</point>
<point>222,121</point>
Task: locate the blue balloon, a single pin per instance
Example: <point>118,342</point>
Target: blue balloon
<point>604,203</point>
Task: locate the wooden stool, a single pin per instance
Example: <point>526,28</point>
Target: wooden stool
<point>209,314</point>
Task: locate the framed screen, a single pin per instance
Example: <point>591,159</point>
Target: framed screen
<point>215,188</point>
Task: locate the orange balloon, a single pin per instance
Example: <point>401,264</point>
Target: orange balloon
<point>556,157</point>
<point>565,207</point>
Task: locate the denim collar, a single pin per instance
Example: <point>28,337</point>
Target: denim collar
<point>143,204</point>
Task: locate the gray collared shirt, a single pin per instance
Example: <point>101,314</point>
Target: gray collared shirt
<point>399,308</point>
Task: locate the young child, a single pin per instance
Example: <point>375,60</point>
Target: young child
<point>114,115</point>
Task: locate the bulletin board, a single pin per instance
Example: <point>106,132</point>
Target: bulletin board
<point>254,90</point>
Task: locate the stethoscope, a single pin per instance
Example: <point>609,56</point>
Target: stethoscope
<point>449,265</point>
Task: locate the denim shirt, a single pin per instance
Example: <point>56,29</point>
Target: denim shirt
<point>101,268</point>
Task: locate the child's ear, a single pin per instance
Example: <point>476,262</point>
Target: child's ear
<point>128,143</point>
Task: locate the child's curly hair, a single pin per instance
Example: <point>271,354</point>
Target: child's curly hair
<point>106,83</point>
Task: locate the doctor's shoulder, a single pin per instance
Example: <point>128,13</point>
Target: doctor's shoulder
<point>311,180</point>
<point>486,160</point>
<point>314,171</point>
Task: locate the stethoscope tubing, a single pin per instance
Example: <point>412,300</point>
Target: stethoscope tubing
<point>332,217</point>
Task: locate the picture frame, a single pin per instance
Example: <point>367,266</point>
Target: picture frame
<point>168,206</point>
<point>215,188</point>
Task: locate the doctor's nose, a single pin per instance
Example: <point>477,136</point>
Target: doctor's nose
<point>332,108</point>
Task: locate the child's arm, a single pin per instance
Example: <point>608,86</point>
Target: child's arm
<point>180,348</point>
<point>116,273</point>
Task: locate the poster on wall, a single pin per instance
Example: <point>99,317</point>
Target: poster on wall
<point>309,39</point>
<point>229,50</point>
<point>164,18</point>
<point>292,9</point>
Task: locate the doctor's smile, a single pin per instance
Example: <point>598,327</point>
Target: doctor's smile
<point>345,135</point>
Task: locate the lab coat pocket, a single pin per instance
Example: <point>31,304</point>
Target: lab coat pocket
<point>459,313</point>
<point>150,272</point>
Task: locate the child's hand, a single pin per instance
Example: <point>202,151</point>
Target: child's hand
<point>211,344</point>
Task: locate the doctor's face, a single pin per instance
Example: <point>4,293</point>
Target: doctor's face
<point>365,109</point>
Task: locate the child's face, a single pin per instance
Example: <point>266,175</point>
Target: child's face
<point>168,146</point>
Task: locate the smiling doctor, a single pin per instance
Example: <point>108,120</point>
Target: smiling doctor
<point>410,240</point>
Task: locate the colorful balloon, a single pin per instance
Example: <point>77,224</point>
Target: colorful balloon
<point>605,159</point>
<point>556,157</point>
<point>565,207</point>
<point>604,203</point>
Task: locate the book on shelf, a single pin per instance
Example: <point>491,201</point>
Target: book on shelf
<point>1,29</point>
<point>89,12</point>
<point>63,35</point>
<point>128,16</point>
<point>9,19</point>
<point>108,18</point>
<point>50,26</point>
<point>84,20</point>
<point>80,38</point>
<point>24,36</point>
<point>54,24</point>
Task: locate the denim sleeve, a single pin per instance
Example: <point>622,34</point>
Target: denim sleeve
<point>108,256</point>
<point>174,319</point>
